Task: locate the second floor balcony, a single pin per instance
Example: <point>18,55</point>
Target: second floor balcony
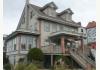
<point>69,33</point>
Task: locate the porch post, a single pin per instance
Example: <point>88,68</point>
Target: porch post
<point>62,44</point>
<point>51,60</point>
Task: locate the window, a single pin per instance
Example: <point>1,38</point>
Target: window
<point>31,14</point>
<point>14,46</point>
<point>23,46</point>
<point>35,26</point>
<point>81,30</point>
<point>47,27</point>
<point>61,28</point>
<point>23,20</point>
<point>54,27</point>
<point>30,46</point>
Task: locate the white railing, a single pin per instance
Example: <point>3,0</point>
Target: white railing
<point>52,49</point>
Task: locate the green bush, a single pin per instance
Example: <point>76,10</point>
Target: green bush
<point>35,54</point>
<point>20,66</point>
<point>59,67</point>
<point>31,67</point>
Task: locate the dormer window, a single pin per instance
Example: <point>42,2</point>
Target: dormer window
<point>50,9</point>
<point>66,14</point>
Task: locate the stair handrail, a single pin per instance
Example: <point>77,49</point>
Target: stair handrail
<point>79,58</point>
<point>87,59</point>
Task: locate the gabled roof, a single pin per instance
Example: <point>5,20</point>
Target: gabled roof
<point>19,32</point>
<point>57,19</point>
<point>66,11</point>
<point>49,5</point>
<point>91,24</point>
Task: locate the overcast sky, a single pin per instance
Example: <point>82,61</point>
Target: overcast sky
<point>84,11</point>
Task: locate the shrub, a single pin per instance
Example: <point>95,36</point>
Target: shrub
<point>20,66</point>
<point>35,54</point>
<point>31,67</point>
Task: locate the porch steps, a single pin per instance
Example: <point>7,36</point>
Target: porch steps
<point>82,59</point>
<point>89,60</point>
<point>78,59</point>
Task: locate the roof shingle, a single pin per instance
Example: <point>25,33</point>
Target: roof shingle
<point>91,24</point>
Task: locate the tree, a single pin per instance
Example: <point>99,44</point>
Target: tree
<point>35,54</point>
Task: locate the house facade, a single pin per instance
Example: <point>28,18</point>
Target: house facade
<point>44,28</point>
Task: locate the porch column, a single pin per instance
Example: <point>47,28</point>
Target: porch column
<point>62,44</point>
<point>51,60</point>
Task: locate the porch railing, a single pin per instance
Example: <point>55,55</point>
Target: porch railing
<point>52,49</point>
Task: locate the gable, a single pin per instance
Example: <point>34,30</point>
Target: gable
<point>51,4</point>
<point>31,13</point>
<point>21,21</point>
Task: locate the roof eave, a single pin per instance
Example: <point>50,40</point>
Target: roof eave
<point>15,33</point>
<point>59,21</point>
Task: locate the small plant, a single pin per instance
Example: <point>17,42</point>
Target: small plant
<point>21,66</point>
<point>31,67</point>
<point>60,67</point>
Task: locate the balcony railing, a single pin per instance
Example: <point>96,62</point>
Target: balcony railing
<point>68,33</point>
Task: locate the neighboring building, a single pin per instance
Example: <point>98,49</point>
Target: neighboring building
<point>91,34</point>
<point>44,28</point>
<point>91,37</point>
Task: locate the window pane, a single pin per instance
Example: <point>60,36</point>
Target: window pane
<point>61,28</point>
<point>47,27</point>
<point>14,46</point>
<point>54,27</point>
<point>23,47</point>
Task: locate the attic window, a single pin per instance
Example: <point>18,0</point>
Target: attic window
<point>31,14</point>
<point>23,20</point>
